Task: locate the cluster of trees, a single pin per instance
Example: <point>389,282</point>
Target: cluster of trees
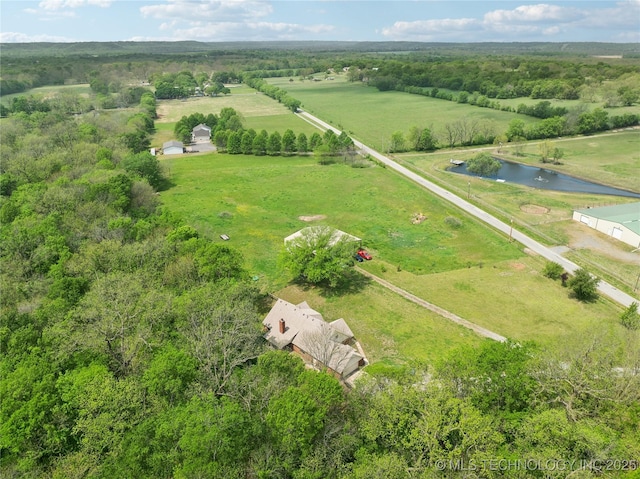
<point>132,347</point>
<point>229,135</point>
<point>250,142</point>
<point>274,92</point>
<point>514,77</point>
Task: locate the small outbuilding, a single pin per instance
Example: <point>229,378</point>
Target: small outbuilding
<point>312,231</point>
<point>201,132</point>
<point>621,222</point>
<point>172,147</point>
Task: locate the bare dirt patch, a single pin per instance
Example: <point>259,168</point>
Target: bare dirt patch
<point>581,236</point>
<point>418,218</point>
<point>534,209</point>
<point>312,217</point>
<point>518,266</point>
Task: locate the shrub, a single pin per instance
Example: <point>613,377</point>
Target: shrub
<point>630,318</point>
<point>583,285</point>
<point>552,270</point>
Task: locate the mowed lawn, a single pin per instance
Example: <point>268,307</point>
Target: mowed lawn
<point>373,116</point>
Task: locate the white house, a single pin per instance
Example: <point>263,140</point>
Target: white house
<point>299,328</point>
<point>172,147</point>
<point>200,132</point>
<point>621,222</point>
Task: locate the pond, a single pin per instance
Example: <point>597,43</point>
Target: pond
<point>542,178</point>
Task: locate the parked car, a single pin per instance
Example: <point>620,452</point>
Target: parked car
<point>363,254</point>
<point>358,258</point>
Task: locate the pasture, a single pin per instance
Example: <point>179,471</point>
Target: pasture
<point>257,111</point>
<point>372,116</point>
<point>50,91</point>
<point>447,259</point>
<point>545,214</point>
<point>468,268</point>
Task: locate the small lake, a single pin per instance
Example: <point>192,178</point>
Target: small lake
<point>542,178</point>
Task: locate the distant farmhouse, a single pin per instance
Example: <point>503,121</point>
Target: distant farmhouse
<point>201,132</point>
<point>622,222</point>
<point>172,147</point>
<point>300,329</point>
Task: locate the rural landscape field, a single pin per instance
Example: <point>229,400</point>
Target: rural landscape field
<point>141,262</point>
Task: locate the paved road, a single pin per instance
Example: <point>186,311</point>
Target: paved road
<point>603,287</point>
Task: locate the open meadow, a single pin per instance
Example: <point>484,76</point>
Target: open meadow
<point>257,111</point>
<point>461,265</point>
<point>608,158</point>
<point>372,116</point>
<point>447,258</point>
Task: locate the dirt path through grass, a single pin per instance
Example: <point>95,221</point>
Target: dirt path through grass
<point>432,307</point>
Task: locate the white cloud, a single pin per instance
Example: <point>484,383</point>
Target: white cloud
<point>16,37</point>
<point>226,20</point>
<point>187,10</point>
<point>424,30</point>
<point>247,31</point>
<point>52,5</point>
<point>532,13</point>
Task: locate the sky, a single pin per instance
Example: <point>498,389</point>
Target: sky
<point>321,20</point>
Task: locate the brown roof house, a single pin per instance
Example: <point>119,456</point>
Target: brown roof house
<point>298,328</point>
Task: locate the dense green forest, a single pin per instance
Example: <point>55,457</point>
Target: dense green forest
<point>131,344</point>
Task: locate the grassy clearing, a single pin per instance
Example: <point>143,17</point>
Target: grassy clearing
<point>372,116</point>
<point>510,298</point>
<point>258,202</point>
<point>544,214</point>
<point>391,329</point>
<point>257,111</point>
<point>81,89</point>
<point>467,268</point>
<point>248,104</point>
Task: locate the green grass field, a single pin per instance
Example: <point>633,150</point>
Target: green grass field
<point>81,89</point>
<point>257,111</point>
<point>470,270</point>
<point>372,116</point>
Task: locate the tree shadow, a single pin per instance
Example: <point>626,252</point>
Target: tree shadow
<point>351,283</point>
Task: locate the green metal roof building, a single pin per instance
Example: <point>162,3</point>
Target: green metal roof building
<point>621,222</point>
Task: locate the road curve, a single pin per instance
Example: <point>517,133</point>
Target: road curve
<point>603,287</point>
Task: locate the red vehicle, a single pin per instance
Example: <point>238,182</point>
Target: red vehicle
<point>363,254</point>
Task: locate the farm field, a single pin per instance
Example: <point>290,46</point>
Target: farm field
<point>258,111</point>
<point>258,201</point>
<point>372,116</point>
<point>469,270</point>
<point>547,214</point>
<point>81,89</point>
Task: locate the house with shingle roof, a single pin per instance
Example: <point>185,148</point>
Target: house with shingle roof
<point>301,329</point>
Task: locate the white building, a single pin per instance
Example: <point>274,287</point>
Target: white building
<point>621,222</point>
<point>172,147</point>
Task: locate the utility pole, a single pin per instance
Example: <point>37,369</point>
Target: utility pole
<point>511,231</point>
